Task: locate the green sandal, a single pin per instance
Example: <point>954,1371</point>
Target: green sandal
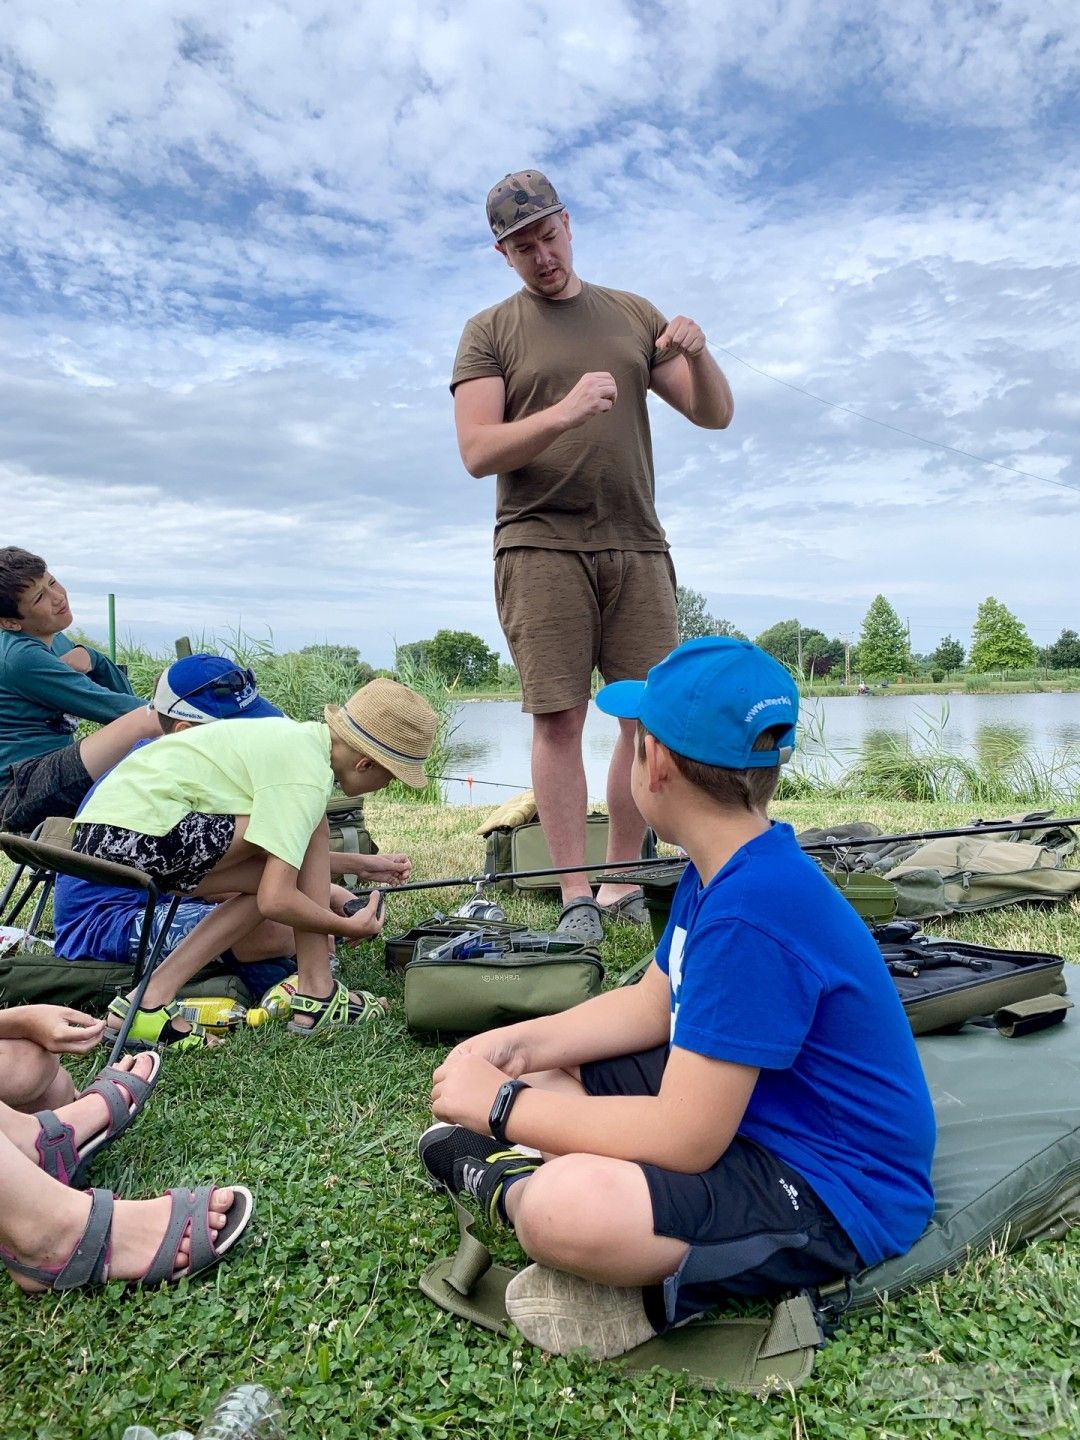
<point>152,1028</point>
<point>335,1009</point>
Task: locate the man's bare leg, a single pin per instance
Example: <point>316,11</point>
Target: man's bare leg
<point>558,776</point>
<point>626,829</point>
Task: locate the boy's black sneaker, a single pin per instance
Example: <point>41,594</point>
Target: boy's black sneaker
<point>475,1166</point>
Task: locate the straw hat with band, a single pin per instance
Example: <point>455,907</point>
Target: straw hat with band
<point>391,725</point>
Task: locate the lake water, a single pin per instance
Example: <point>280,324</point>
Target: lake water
<point>492,737</point>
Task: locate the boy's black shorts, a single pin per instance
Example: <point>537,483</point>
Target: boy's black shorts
<point>767,1229</point>
<point>51,784</point>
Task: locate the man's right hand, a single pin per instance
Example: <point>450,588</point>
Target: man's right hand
<point>592,395</point>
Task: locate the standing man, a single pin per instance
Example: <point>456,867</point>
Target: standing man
<point>550,394</point>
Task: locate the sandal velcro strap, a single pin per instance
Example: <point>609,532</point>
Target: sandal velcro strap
<point>155,1027</point>
<point>89,1260</point>
<point>58,1155</point>
<point>338,1008</point>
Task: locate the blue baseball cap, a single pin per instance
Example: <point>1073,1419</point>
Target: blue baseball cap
<point>205,687</point>
<point>709,700</point>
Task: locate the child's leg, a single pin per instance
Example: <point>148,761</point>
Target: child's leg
<point>312,948</point>
<point>32,1078</point>
<point>223,927</point>
<point>87,1115</point>
<point>41,1221</point>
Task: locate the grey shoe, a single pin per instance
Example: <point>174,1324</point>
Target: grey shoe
<point>581,919</point>
<point>560,1313</point>
<point>629,907</point>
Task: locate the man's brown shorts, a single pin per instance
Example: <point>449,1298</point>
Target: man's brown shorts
<point>566,613</point>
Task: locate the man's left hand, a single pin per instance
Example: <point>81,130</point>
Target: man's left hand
<point>463,1090</point>
<point>683,336</point>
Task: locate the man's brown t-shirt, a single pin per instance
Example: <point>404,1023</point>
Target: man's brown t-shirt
<point>593,488</point>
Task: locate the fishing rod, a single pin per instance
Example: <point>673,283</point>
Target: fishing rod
<point>838,842</point>
<point>988,827</point>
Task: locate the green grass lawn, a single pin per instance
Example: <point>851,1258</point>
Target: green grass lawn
<point>321,1302</point>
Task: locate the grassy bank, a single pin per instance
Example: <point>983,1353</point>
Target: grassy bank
<point>322,1304</point>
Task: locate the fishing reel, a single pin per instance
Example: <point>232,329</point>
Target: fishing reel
<point>480,907</point>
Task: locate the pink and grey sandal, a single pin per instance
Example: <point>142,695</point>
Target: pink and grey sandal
<point>59,1156</point>
<point>88,1263</point>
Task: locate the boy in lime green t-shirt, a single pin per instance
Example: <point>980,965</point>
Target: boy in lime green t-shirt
<point>238,810</point>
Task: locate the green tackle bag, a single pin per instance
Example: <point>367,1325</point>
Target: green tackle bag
<point>29,977</point>
<point>522,976</point>
<point>523,847</point>
<point>400,949</point>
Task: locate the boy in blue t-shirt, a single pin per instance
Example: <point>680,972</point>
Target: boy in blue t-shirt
<point>750,1118</point>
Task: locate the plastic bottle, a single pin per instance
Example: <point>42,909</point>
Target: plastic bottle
<point>250,1412</point>
<point>143,1432</point>
<point>217,1013</point>
<point>275,1007</point>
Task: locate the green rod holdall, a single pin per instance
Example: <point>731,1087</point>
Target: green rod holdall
<point>457,993</point>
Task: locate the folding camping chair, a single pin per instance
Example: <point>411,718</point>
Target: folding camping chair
<point>36,856</point>
<point>28,881</point>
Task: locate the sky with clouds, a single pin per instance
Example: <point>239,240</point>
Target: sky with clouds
<point>238,245</point>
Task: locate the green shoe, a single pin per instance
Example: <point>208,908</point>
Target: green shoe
<point>337,1008</point>
<point>152,1028</point>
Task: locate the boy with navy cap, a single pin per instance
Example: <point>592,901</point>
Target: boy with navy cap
<point>751,1118</point>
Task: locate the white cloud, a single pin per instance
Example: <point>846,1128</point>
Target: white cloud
<point>241,242</point>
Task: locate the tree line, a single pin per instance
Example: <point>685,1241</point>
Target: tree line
<point>999,643</point>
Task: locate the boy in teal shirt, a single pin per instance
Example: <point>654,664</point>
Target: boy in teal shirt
<point>239,810</point>
<point>47,685</point>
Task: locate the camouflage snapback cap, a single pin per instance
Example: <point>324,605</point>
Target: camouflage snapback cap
<point>519,200</point>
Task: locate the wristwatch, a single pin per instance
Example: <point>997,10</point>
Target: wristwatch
<point>503,1104</point>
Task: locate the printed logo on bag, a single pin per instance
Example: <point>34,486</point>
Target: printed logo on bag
<point>502,975</point>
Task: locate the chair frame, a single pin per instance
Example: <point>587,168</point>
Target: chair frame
<point>45,862</point>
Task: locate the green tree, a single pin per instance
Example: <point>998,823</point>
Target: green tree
<point>1064,653</point>
<point>949,654</point>
<point>457,657</point>
<point>781,641</point>
<point>694,620</point>
<point>883,642</point>
<point>999,640</point>
<point>820,655</point>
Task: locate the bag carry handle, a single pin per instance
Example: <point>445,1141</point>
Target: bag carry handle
<point>1026,1017</point>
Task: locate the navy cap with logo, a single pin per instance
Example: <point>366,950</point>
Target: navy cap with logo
<point>709,700</point>
<point>207,687</point>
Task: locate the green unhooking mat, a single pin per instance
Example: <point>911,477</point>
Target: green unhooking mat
<point>1007,1170</point>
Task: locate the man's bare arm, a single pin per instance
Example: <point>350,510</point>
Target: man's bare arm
<point>491,445</point>
<point>692,382</point>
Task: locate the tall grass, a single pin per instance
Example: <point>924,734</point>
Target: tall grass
<point>919,767</point>
<point>303,682</point>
